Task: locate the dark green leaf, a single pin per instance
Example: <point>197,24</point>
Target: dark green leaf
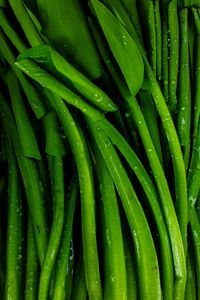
<point>55,63</point>
<point>123,47</point>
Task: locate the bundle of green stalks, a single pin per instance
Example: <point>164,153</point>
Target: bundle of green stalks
<point>99,149</point>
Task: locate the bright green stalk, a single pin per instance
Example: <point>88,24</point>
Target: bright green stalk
<point>173,54</point>
<point>190,291</point>
<point>165,53</point>
<point>80,151</point>
<point>184,98</point>
<point>130,269</point>
<point>10,32</point>
<point>64,251</point>
<point>177,158</point>
<point>33,96</point>
<point>14,233</point>
<point>197,75</point>
<point>31,182</point>
<point>26,22</point>
<point>31,265</point>
<point>115,277</point>
<point>149,278</point>
<point>152,36</point>
<point>149,113</point>
<point>158,40</point>
<point>79,291</point>
<point>24,127</point>
<point>195,231</point>
<point>56,230</point>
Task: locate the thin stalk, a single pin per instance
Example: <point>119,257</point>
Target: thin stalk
<point>149,278</point>
<point>56,230</point>
<point>64,251</point>
<point>130,269</point>
<point>79,291</point>
<point>165,53</point>
<point>26,22</point>
<point>14,233</point>
<point>152,36</point>
<point>80,151</point>
<point>173,54</point>
<point>149,113</point>
<point>197,75</point>
<point>158,40</point>
<point>195,231</point>
<point>184,99</point>
<point>167,203</point>
<point>31,182</point>
<point>10,32</point>
<point>190,291</point>
<point>31,291</point>
<point>115,277</point>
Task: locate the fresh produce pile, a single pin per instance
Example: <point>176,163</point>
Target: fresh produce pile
<point>100,149</point>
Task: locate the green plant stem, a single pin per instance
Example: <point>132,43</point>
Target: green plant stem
<point>146,259</point>
<point>10,32</point>
<point>190,291</point>
<point>63,256</point>
<point>195,231</point>
<point>158,40</point>
<point>79,291</point>
<point>115,276</point>
<point>80,151</point>
<point>56,230</point>
<point>25,22</point>
<point>130,269</point>
<point>175,149</point>
<point>31,182</point>
<point>165,53</point>
<point>14,233</point>
<point>31,265</point>
<point>152,37</point>
<point>173,54</point>
<point>184,99</point>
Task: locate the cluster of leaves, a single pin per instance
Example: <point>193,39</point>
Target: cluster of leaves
<point>100,149</point>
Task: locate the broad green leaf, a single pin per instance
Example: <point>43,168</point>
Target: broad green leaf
<point>56,64</point>
<point>51,83</point>
<point>32,94</point>
<point>24,126</point>
<point>53,135</point>
<point>64,24</point>
<point>122,46</point>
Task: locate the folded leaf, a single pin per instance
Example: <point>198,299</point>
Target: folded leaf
<point>54,142</point>
<point>64,24</point>
<point>56,64</point>
<point>122,46</point>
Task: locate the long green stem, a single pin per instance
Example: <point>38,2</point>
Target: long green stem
<point>31,265</point>
<point>80,151</point>
<point>14,233</point>
<point>64,251</point>
<point>115,277</point>
<point>184,99</point>
<point>56,230</point>
<point>31,182</point>
<point>146,256</point>
<point>173,54</point>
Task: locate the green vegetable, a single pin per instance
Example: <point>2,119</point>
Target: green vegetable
<point>99,149</point>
